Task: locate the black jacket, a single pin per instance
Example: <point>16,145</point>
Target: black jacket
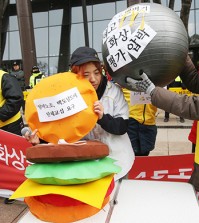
<point>13,95</point>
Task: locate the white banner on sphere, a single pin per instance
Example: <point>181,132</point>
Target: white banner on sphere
<point>139,40</point>
<point>118,59</point>
<point>129,11</point>
<point>123,43</point>
<point>114,24</point>
<point>119,39</point>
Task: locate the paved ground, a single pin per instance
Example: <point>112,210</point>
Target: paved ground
<point>172,138</point>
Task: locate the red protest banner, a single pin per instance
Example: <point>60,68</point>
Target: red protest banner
<point>165,168</point>
<point>12,160</point>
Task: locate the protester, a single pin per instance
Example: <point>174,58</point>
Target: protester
<point>11,99</point>
<point>111,108</point>
<point>36,76</point>
<point>18,73</point>
<point>182,105</point>
<point>142,129</point>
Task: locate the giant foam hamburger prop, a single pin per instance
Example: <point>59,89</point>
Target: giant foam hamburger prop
<point>72,180</point>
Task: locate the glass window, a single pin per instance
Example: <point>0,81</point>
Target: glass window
<point>55,17</point>
<point>13,23</point>
<point>100,56</point>
<point>98,28</point>
<point>12,1</point>
<point>41,42</point>
<point>42,63</point>
<point>53,65</point>
<point>89,10</point>
<point>40,19</point>
<point>5,54</point>
<point>197,3</point>
<point>54,40</point>
<point>165,3</point>
<point>120,6</point>
<point>103,11</point>
<point>191,24</point>
<point>77,14</point>
<point>77,35</point>
<point>197,22</point>
<point>177,6</point>
<point>15,46</point>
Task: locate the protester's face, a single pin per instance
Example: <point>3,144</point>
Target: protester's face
<point>16,67</point>
<point>92,74</point>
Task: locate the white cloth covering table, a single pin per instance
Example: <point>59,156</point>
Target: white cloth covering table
<point>140,201</point>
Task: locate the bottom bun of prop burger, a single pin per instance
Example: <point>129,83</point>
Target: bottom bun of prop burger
<point>67,214</point>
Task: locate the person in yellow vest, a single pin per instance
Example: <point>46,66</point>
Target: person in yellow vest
<point>176,83</point>
<point>36,76</point>
<point>11,100</point>
<point>182,105</point>
<point>142,129</point>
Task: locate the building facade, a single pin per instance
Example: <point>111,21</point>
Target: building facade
<point>60,27</point>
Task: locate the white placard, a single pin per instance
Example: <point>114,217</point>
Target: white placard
<point>139,40</point>
<point>114,24</point>
<point>118,59</point>
<point>139,98</point>
<point>123,44</point>
<point>60,106</point>
<point>118,39</point>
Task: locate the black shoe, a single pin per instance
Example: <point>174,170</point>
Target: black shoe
<point>181,120</point>
<point>9,201</point>
<point>166,119</point>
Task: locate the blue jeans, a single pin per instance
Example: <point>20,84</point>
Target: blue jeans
<point>142,137</point>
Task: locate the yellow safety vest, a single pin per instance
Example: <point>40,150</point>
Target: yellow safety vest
<point>178,79</point>
<point>143,113</point>
<point>2,102</point>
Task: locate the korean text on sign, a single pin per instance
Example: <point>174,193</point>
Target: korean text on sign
<point>60,106</point>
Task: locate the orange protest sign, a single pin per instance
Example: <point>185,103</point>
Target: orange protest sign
<point>52,107</point>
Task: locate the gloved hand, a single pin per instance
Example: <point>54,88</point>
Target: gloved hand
<point>144,85</point>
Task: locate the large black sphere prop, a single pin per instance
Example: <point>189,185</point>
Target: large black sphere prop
<point>148,37</point>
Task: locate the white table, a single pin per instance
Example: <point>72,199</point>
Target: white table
<point>155,202</point>
<point>145,201</point>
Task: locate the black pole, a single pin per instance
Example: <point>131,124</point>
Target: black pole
<point>85,22</point>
